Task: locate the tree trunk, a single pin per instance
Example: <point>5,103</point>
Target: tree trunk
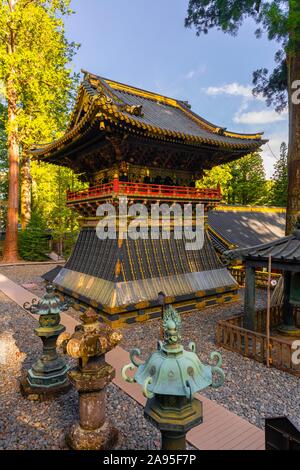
<point>293,208</point>
<point>10,253</point>
<point>25,191</point>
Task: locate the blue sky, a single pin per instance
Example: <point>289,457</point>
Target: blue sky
<point>144,43</point>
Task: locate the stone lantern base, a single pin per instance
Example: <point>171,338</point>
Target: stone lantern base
<point>48,376</point>
<point>93,431</point>
<point>174,416</point>
<point>288,330</point>
<point>41,393</point>
<point>103,438</point>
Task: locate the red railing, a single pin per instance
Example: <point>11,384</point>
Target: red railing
<point>147,190</point>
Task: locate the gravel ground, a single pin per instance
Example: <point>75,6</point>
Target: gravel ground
<point>251,390</point>
<point>28,273</point>
<point>31,425</point>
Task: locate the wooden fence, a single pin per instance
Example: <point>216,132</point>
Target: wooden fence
<point>231,335</point>
<point>261,277</point>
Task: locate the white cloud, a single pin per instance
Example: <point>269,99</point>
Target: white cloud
<point>190,74</point>
<point>232,89</point>
<point>195,72</point>
<point>259,117</point>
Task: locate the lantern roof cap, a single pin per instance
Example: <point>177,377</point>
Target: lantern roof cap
<point>172,370</point>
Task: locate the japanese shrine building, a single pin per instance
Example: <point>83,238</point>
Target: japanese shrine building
<point>130,142</point>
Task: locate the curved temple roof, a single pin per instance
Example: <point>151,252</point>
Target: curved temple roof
<point>105,102</point>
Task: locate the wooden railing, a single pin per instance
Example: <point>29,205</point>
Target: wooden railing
<point>253,344</point>
<point>145,190</point>
<point>261,277</point>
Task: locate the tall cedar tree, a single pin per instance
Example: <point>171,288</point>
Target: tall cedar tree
<point>3,167</point>
<point>279,190</point>
<point>248,185</point>
<point>280,20</point>
<point>34,58</point>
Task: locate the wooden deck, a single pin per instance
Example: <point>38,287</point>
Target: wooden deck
<point>221,429</point>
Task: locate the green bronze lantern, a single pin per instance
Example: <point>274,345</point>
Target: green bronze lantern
<point>48,376</point>
<point>170,378</point>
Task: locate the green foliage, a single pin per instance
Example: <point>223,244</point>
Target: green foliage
<point>35,72</point>
<point>38,66</point>
<point>278,19</point>
<point>49,187</point>
<point>279,190</point>
<point>248,186</point>
<point>34,240</point>
<point>242,182</point>
<point>218,176</point>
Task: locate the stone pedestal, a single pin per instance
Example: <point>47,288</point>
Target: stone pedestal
<point>89,344</point>
<point>48,376</point>
<point>94,431</point>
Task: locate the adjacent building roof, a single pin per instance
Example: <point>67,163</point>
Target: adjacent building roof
<point>285,250</point>
<point>108,103</point>
<point>240,227</point>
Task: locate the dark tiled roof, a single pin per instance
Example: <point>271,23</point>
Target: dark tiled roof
<point>245,228</point>
<point>121,275</point>
<point>174,119</point>
<point>148,114</point>
<point>51,275</point>
<point>138,259</point>
<point>286,249</point>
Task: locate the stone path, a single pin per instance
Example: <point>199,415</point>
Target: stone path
<point>20,296</point>
<point>221,429</point>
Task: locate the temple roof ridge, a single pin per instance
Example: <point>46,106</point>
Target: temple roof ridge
<point>105,106</point>
<point>113,85</point>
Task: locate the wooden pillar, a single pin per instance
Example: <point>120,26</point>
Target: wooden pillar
<point>249,304</point>
<point>116,183</point>
<point>288,314</point>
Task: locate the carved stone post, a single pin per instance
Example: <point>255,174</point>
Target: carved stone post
<point>89,344</point>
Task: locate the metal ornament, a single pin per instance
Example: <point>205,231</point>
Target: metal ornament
<point>48,375</point>
<point>170,377</point>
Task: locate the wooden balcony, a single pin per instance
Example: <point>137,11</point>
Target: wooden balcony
<point>142,191</point>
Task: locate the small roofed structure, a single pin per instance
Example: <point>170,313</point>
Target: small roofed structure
<point>267,335</point>
<point>284,254</point>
